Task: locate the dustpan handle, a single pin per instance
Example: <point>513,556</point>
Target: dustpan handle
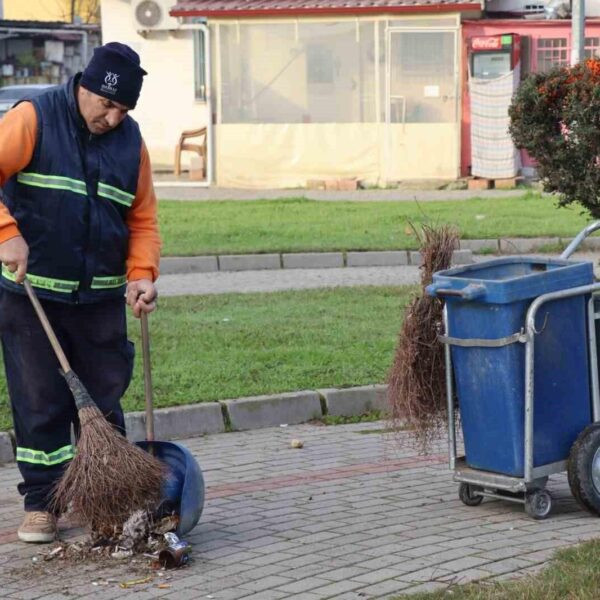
<point>147,378</point>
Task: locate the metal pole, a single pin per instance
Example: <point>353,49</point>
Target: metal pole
<point>577,31</point>
<point>449,398</point>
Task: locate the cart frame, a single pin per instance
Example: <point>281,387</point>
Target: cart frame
<point>508,487</point>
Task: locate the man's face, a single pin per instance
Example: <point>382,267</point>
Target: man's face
<point>100,114</point>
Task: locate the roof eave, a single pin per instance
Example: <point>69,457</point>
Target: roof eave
<point>297,12</point>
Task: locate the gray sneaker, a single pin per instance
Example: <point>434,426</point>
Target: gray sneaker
<point>38,527</point>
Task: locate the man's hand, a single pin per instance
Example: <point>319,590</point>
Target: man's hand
<point>141,296</point>
<point>14,253</point>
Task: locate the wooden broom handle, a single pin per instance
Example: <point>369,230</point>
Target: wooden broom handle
<point>147,378</point>
<point>62,359</point>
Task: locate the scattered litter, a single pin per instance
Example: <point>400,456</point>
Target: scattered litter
<point>121,553</point>
<point>176,554</point>
<point>479,217</point>
<point>163,586</point>
<point>140,539</point>
<point>54,553</point>
<point>297,444</point>
<point>226,320</point>
<point>134,582</point>
<point>35,559</point>
<point>283,425</point>
<point>95,583</point>
<point>167,524</point>
<point>135,529</point>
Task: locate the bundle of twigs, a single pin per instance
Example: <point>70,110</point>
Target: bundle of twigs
<point>109,478</point>
<point>417,378</point>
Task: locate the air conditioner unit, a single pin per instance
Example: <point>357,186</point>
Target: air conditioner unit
<point>516,7</point>
<point>153,15</point>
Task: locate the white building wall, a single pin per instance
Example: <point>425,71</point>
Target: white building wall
<point>167,105</point>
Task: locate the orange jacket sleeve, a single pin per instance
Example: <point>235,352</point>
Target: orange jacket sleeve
<point>18,131</point>
<point>142,221</point>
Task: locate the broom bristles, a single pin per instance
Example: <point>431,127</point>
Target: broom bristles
<point>109,478</point>
<point>417,378</point>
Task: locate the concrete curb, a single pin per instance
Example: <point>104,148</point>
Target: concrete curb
<point>268,411</point>
<point>348,402</point>
<point>241,414</point>
<point>387,258</point>
<point>177,422</point>
<point>312,260</point>
<point>172,265</point>
<point>7,453</point>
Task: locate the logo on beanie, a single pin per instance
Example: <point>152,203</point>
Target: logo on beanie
<point>110,83</point>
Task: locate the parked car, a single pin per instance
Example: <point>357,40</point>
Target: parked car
<point>10,94</point>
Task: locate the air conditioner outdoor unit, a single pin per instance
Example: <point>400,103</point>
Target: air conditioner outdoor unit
<point>153,15</point>
<point>516,7</point>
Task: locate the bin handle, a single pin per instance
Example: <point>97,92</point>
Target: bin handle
<point>470,292</point>
<point>579,238</point>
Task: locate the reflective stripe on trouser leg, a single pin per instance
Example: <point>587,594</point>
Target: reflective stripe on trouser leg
<point>48,459</point>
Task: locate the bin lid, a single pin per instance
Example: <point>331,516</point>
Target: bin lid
<point>505,280</point>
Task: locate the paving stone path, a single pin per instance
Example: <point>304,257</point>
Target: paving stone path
<point>355,514</point>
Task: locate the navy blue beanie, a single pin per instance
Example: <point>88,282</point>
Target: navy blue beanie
<point>115,73</point>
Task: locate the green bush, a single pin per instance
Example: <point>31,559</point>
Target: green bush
<point>555,116</point>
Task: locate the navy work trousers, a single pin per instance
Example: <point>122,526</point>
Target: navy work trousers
<point>94,339</point>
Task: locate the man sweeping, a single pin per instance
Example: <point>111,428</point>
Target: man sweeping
<point>79,219</point>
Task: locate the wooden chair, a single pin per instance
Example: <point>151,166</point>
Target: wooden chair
<point>182,145</point>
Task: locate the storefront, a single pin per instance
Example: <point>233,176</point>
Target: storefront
<point>329,90</point>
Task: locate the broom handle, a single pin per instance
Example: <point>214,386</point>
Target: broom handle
<point>62,359</point>
<point>147,378</point>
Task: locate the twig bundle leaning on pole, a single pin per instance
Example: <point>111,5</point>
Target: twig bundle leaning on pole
<point>109,478</point>
<point>417,378</point>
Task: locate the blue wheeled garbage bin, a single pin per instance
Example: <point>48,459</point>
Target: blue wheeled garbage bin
<point>486,307</point>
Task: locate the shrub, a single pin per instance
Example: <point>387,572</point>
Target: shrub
<point>555,116</point>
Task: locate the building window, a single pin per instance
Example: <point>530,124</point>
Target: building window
<point>199,66</point>
<point>592,47</point>
<point>551,53</point>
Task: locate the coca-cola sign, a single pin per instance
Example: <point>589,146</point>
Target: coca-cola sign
<point>491,42</point>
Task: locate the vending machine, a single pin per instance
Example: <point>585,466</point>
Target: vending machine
<point>494,75</point>
<point>492,56</point>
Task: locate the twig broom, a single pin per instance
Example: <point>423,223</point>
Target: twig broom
<point>416,380</point>
<point>109,478</point>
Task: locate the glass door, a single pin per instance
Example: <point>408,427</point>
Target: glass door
<point>422,137</point>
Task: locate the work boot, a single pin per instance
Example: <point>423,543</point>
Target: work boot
<point>37,526</point>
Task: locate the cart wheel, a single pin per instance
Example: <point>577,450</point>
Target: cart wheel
<point>583,468</point>
<point>538,503</point>
<point>468,494</point>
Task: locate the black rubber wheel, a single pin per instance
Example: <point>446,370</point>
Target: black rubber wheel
<point>538,503</point>
<point>468,494</point>
<point>583,469</point>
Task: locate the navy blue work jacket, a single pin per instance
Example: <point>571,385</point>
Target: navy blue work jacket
<point>71,202</point>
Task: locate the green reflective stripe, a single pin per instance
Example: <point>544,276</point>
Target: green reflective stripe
<point>54,182</point>
<point>48,283</point>
<point>115,194</point>
<point>37,457</point>
<point>99,283</point>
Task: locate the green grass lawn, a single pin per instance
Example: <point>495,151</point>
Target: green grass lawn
<point>574,574</point>
<point>192,228</point>
<point>217,347</point>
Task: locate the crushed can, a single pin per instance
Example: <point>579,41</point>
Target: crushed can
<point>176,554</point>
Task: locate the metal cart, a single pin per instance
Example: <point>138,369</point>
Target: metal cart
<point>583,461</point>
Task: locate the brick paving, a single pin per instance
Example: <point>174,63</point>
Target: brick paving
<point>352,515</point>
